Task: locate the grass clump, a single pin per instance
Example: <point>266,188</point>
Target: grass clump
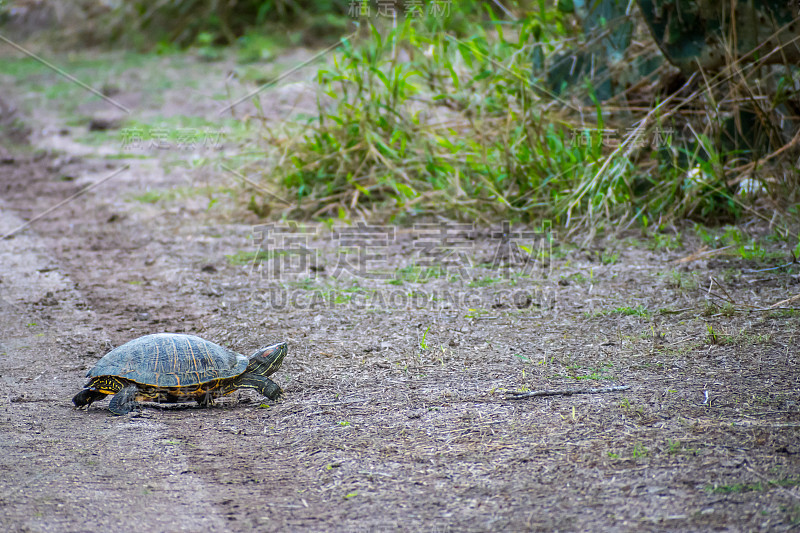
<point>444,116</point>
<point>243,257</point>
<point>737,488</point>
<point>423,122</point>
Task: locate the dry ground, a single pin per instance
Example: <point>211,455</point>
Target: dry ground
<point>395,415</point>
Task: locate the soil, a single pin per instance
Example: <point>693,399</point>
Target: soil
<point>396,413</point>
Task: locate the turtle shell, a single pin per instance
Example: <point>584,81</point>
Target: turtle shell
<point>170,360</point>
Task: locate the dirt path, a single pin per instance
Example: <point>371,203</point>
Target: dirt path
<point>59,474</point>
<point>394,416</point>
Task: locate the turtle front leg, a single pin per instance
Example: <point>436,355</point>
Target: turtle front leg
<point>124,401</point>
<point>262,384</point>
<point>205,400</point>
<point>86,397</point>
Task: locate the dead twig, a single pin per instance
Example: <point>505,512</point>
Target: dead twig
<point>794,261</point>
<point>702,253</point>
<point>727,296</point>
<point>784,302</point>
<point>563,392</point>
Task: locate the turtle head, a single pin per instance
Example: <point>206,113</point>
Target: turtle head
<point>267,361</point>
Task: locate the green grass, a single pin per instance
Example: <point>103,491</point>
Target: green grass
<point>609,258</point>
<point>45,87</point>
<point>685,281</point>
<point>307,284</point>
<point>664,242</point>
<point>784,313</point>
<point>577,277</point>
<point>416,274</point>
<point>151,197</point>
<point>476,313</point>
<point>738,488</point>
<point>639,451</point>
<point>154,196</point>
<point>440,115</point>
<point>248,257</point>
<point>426,119</point>
<point>483,282</point>
<point>759,249</point>
<point>640,310</point>
<point>411,163</point>
<point>674,446</point>
<point>126,156</point>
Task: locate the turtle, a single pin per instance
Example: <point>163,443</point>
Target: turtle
<point>171,367</point>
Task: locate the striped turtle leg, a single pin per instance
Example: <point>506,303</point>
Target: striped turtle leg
<point>86,397</point>
<point>262,384</point>
<point>124,401</point>
<point>205,400</point>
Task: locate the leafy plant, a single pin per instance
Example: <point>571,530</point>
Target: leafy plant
<point>443,116</point>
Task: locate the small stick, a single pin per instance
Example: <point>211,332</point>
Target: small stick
<point>794,262</point>
<point>715,280</point>
<point>786,301</point>
<point>563,392</point>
